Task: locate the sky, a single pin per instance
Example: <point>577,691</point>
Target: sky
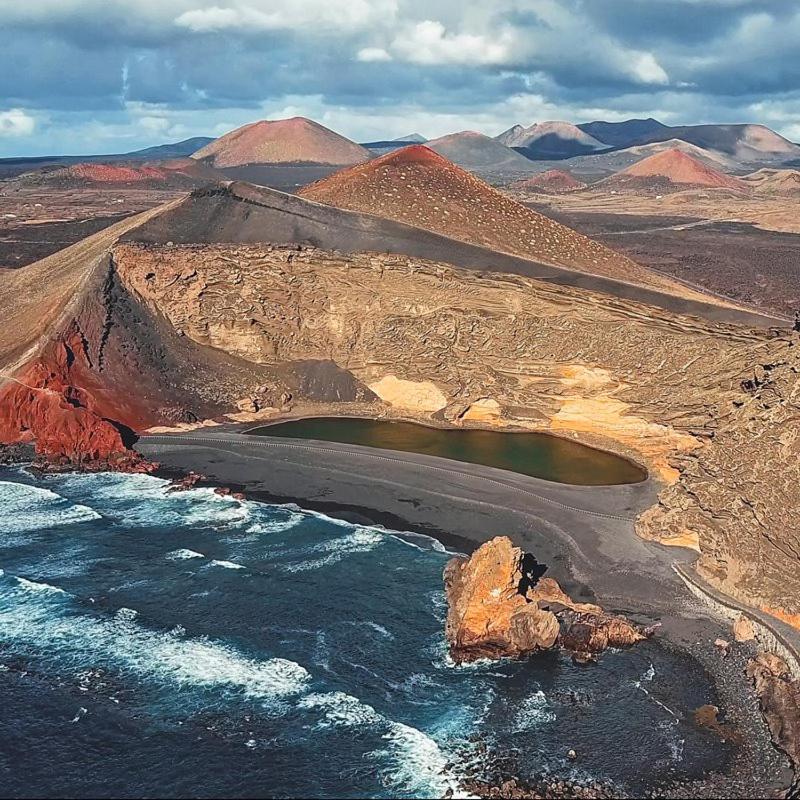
<point>106,76</point>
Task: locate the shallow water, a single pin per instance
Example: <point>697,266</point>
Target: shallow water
<point>538,454</point>
<point>156,644</point>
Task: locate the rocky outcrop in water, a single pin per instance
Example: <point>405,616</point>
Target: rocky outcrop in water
<point>500,608</point>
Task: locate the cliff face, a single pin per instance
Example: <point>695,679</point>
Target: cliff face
<point>46,404</point>
<point>710,407</point>
<point>161,334</point>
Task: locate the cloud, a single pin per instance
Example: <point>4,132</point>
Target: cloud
<point>373,54</point>
<point>15,122</point>
<point>301,15</point>
<point>117,74</point>
<point>645,69</point>
<point>429,42</point>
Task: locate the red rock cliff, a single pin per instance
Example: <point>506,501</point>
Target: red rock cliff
<point>56,403</point>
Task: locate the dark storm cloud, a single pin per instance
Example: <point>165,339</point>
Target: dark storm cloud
<point>171,66</point>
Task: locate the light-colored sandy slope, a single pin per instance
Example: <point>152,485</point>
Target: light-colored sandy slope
<point>282,141</point>
<point>783,182</point>
<point>34,299</point>
<point>419,187</point>
<point>768,211</point>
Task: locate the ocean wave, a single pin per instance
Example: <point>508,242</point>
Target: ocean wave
<point>25,509</point>
<point>420,541</point>
<point>182,554</point>
<point>37,587</point>
<point>532,712</point>
<point>276,525</point>
<point>226,564</point>
<point>361,540</point>
<point>417,764</point>
<point>145,501</point>
<point>32,614</point>
<point>339,708</point>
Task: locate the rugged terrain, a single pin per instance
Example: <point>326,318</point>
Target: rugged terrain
<point>500,606</point>
<point>210,326</point>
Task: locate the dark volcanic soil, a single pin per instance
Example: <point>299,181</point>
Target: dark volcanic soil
<point>24,244</point>
<point>753,266</point>
<point>283,177</point>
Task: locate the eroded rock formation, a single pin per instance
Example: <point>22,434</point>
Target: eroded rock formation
<point>779,697</point>
<point>498,608</point>
<point>206,330</point>
<point>51,403</point>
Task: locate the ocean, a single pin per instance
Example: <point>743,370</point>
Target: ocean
<point>157,644</point>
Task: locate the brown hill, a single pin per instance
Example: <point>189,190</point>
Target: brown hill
<point>675,167</point>
<point>479,153</point>
<point>419,187</point>
<point>555,181</point>
<point>179,173</point>
<point>283,141</point>
<point>783,182</point>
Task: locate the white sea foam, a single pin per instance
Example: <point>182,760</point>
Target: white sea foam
<point>226,564</point>
<point>38,588</point>
<point>532,712</point>
<point>25,509</point>
<point>417,763</point>
<point>360,540</point>
<point>145,501</point>
<point>339,708</point>
<point>380,629</point>
<point>418,540</point>
<point>183,554</point>
<point>43,617</point>
<point>285,522</point>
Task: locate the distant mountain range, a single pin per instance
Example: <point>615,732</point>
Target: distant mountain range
<point>10,167</point>
<point>746,143</point>
<point>550,140</point>
<point>593,149</point>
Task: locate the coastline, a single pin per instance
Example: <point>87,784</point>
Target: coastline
<point>687,629</point>
<point>583,535</point>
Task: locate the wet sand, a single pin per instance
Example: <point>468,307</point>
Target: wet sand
<point>584,534</point>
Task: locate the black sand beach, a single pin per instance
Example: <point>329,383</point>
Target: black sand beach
<point>584,535</point>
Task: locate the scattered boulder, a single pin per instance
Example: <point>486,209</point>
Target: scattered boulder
<point>723,646</point>
<point>594,633</point>
<point>185,482</point>
<point>500,608</point>
<point>743,629</point>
